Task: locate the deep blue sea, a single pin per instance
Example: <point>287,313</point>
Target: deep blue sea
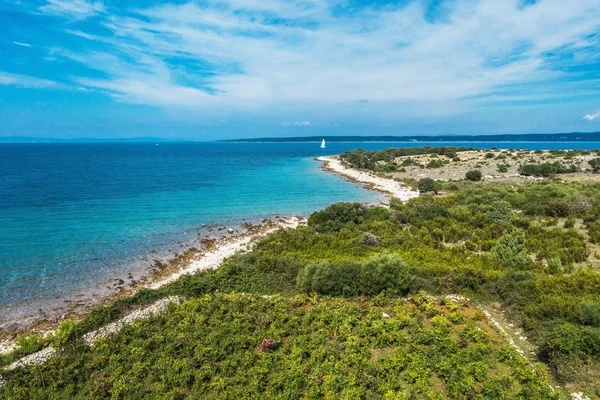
<point>75,216</point>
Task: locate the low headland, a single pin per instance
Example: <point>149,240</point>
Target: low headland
<point>479,279</point>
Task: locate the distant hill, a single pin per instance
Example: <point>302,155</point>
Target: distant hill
<point>27,139</point>
<point>531,137</point>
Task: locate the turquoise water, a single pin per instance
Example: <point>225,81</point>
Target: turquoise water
<point>74,216</point>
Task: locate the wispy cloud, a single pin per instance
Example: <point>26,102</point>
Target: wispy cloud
<point>311,54</point>
<point>22,44</point>
<point>8,79</point>
<point>592,117</point>
<point>315,56</point>
<point>74,9</point>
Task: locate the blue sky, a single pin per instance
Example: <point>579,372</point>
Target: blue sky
<point>240,68</point>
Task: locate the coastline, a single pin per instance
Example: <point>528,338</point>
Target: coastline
<point>213,258</point>
<point>191,260</point>
<point>370,181</point>
<point>214,251</point>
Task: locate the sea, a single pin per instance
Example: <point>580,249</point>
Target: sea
<point>74,217</point>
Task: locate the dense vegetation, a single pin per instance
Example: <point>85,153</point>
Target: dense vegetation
<point>529,248</point>
<point>240,347</point>
<point>386,160</point>
<point>546,169</point>
<point>383,160</point>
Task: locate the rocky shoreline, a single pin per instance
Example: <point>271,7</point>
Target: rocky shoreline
<point>370,181</point>
<point>211,253</point>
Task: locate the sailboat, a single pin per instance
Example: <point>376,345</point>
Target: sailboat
<point>323,144</point>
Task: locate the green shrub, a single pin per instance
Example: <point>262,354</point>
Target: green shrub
<point>593,228</point>
<point>29,344</point>
<point>572,341</point>
<point>500,211</point>
<point>427,185</point>
<point>546,169</point>
<point>434,164</point>
<point>334,217</point>
<point>503,168</point>
<point>474,175</point>
<point>346,278</point>
<point>511,252</point>
<point>66,333</point>
<point>555,266</point>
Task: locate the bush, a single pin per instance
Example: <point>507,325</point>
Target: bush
<point>500,211</point>
<point>29,344</point>
<point>593,228</point>
<point>489,155</point>
<point>368,239</point>
<point>555,266</point>
<point>427,185</point>
<point>334,217</point>
<point>379,274</point>
<point>503,168</point>
<point>546,169</point>
<point>434,164</point>
<point>595,164</point>
<point>511,252</point>
<point>571,341</point>
<point>66,333</point>
<point>474,175</point>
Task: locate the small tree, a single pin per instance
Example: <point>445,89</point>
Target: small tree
<point>595,164</point>
<point>427,185</point>
<point>474,175</point>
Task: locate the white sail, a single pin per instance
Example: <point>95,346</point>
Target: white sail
<point>323,144</point>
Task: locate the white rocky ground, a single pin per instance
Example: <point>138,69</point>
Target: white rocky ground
<point>214,258</point>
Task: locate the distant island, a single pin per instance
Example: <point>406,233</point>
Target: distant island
<point>529,137</point>
<point>29,139</point>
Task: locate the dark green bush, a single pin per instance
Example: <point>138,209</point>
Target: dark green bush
<point>334,217</point>
<point>546,169</point>
<point>347,278</point>
<point>474,175</point>
<point>434,164</point>
<point>511,252</point>
<point>500,211</point>
<point>427,185</point>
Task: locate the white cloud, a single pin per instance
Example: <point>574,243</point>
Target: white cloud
<point>8,79</point>
<point>592,117</point>
<point>317,58</point>
<point>21,44</point>
<point>297,123</point>
<point>73,9</point>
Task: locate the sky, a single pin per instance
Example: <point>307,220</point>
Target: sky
<point>216,69</point>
